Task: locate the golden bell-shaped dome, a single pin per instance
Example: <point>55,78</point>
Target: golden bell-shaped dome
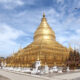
<point>44,31</point>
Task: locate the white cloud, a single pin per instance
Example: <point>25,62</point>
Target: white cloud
<point>18,2</point>
<point>60,1</point>
<point>78,31</point>
<point>8,35</point>
<point>11,4</point>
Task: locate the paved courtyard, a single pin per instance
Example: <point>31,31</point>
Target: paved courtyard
<point>3,78</point>
<point>8,75</point>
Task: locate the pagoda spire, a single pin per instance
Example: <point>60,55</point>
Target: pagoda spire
<point>70,48</point>
<point>43,14</point>
<point>44,31</point>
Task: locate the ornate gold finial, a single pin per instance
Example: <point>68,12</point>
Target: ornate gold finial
<point>43,14</point>
<point>69,45</point>
<point>70,48</point>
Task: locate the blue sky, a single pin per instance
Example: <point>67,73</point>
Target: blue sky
<point>20,18</point>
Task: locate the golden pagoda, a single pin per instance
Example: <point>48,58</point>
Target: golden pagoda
<point>44,48</point>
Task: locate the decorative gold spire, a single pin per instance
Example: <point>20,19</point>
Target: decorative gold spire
<point>43,14</point>
<point>70,48</point>
<point>44,31</point>
<point>20,48</point>
<point>69,45</point>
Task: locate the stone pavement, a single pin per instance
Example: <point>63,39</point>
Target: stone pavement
<point>17,76</point>
<point>23,76</point>
<point>3,78</point>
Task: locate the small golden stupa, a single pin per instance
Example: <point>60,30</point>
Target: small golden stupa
<point>44,48</point>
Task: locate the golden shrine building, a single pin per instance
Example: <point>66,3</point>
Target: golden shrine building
<point>44,48</point>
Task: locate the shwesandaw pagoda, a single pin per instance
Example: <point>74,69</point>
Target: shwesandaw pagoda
<point>44,48</point>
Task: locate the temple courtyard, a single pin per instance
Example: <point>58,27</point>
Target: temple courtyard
<point>11,75</point>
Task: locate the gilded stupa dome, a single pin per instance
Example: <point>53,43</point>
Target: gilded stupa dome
<point>44,31</point>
